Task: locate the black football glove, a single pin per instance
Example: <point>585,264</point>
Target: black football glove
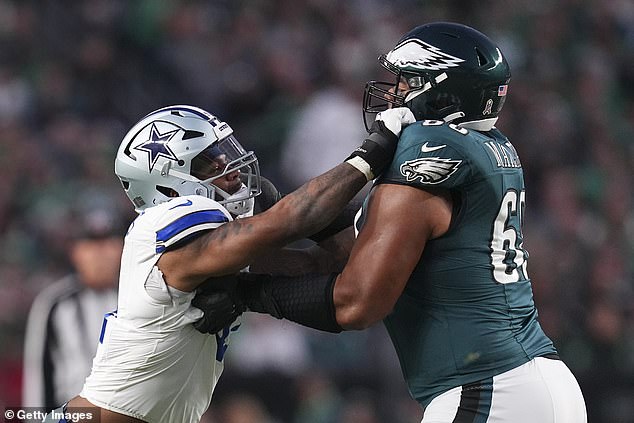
<point>379,147</point>
<point>221,306</point>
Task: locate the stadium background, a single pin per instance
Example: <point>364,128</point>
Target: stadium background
<point>75,75</point>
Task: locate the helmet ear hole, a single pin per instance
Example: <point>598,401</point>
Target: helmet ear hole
<point>192,134</point>
<point>167,191</point>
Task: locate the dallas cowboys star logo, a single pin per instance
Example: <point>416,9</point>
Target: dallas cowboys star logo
<point>157,146</point>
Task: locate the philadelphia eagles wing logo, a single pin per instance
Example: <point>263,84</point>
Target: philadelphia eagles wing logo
<point>430,170</point>
<point>418,54</point>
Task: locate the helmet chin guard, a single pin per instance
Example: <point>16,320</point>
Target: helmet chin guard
<point>184,150</point>
<point>238,203</point>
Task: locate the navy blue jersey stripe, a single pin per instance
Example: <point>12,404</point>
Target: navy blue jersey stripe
<point>105,322</point>
<point>189,221</point>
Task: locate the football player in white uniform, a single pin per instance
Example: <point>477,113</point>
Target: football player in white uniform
<point>189,178</point>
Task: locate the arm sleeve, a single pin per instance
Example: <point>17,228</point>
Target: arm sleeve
<point>306,300</point>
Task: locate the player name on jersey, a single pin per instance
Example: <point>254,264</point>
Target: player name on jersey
<point>504,154</point>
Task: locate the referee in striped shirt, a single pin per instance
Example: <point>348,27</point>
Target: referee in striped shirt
<point>65,318</point>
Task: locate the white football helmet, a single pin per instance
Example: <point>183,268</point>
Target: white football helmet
<point>181,150</point>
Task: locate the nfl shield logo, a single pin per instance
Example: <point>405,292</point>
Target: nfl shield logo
<point>502,90</point>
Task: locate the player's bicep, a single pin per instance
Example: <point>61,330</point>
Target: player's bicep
<point>221,251</point>
<point>400,220</point>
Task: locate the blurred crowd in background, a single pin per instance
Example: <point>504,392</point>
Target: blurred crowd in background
<point>288,76</point>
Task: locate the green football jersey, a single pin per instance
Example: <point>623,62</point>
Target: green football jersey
<point>467,311</point>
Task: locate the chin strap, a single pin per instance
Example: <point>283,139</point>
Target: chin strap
<point>453,116</point>
<point>479,125</point>
<point>240,205</point>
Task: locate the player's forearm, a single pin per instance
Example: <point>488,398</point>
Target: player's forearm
<point>343,221</point>
<point>333,252</point>
<point>241,242</point>
<point>328,256</point>
<point>312,206</point>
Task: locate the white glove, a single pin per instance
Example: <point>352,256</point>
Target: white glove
<point>377,150</point>
<point>396,119</point>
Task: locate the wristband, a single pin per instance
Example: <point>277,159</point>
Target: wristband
<point>362,166</point>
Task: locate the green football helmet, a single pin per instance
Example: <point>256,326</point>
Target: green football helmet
<point>452,72</point>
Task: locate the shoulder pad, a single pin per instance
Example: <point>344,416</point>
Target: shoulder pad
<point>182,217</point>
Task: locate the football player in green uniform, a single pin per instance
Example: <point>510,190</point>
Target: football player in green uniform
<point>439,254</point>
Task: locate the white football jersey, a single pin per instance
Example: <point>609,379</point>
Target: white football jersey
<point>151,363</point>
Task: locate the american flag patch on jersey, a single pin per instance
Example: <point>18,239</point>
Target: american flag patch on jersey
<point>502,90</point>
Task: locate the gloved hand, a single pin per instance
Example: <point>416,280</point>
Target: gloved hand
<point>220,304</point>
<point>377,149</point>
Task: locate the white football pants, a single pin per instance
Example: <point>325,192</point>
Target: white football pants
<point>541,391</point>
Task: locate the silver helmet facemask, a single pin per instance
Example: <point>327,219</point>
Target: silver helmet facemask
<point>224,158</point>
